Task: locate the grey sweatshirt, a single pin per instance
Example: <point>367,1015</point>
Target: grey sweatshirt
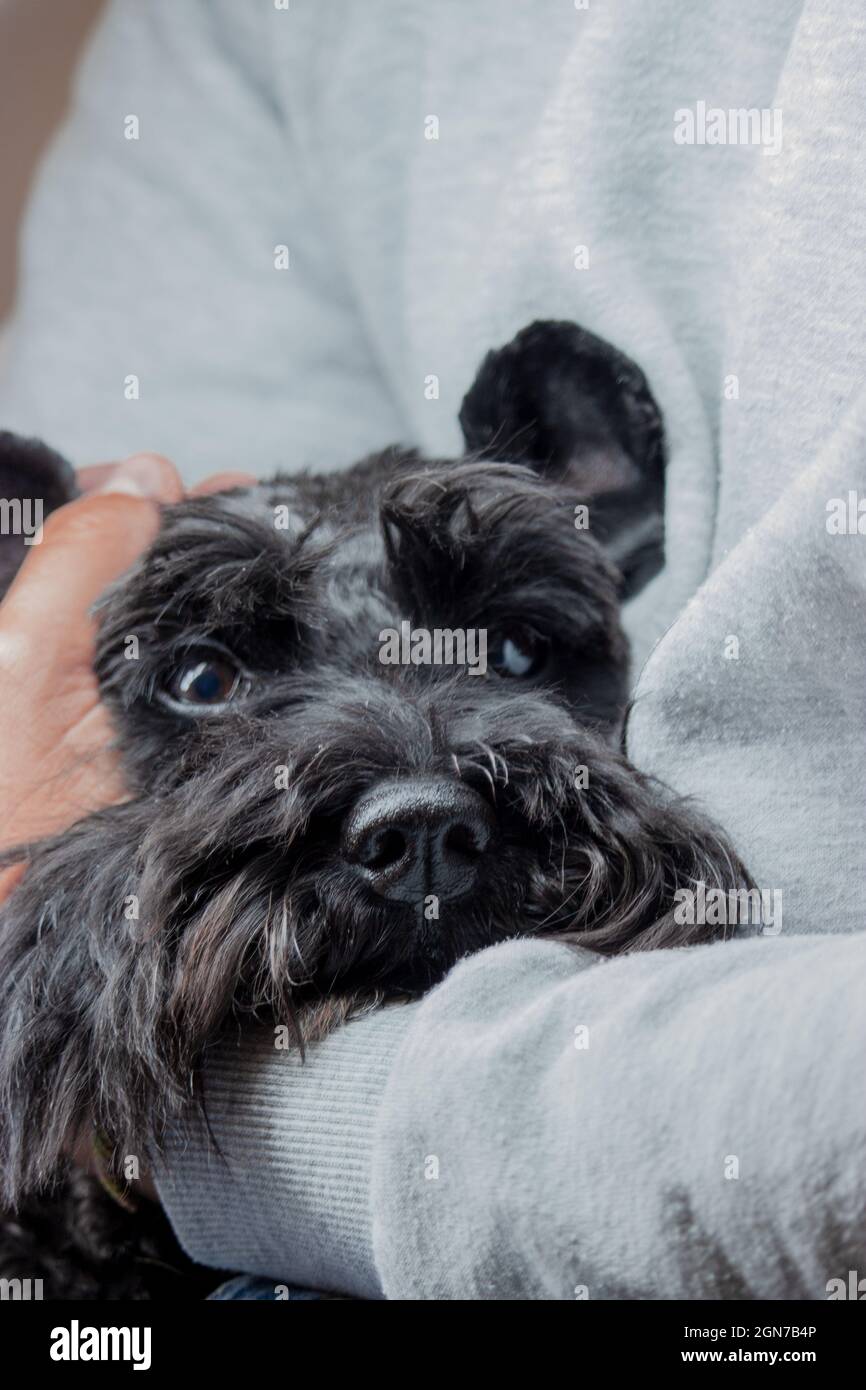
<point>543,1125</point>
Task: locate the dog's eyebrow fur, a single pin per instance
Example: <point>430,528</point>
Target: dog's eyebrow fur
<point>477,544</point>
<point>217,564</point>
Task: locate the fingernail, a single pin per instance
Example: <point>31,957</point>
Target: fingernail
<point>139,476</point>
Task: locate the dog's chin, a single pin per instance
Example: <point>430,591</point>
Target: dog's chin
<point>426,954</point>
<point>366,945</point>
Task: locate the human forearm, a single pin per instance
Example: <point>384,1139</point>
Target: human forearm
<point>479,1146</point>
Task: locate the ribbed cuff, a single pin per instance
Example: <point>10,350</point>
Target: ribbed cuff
<point>288,1195</point>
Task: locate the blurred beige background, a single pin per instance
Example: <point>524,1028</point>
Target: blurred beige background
<point>39,43</point>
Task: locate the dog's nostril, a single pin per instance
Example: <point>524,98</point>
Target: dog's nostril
<point>413,837</point>
<point>470,841</point>
<point>382,849</point>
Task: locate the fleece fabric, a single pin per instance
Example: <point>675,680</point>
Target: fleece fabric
<point>433,176</point>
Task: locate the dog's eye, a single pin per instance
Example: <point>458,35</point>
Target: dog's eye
<point>205,681</point>
<point>517,652</point>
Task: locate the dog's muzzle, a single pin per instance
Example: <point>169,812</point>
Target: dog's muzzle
<point>415,837</point>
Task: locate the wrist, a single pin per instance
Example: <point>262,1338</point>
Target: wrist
<point>288,1195</point>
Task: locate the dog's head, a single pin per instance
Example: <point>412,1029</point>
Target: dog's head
<point>369,725</point>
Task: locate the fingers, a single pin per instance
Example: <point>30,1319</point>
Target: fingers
<point>85,545</point>
<point>221,482</point>
<point>92,477</point>
<point>162,475</point>
<point>88,544</point>
<point>60,764</point>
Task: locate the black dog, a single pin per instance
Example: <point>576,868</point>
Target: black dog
<point>309,827</point>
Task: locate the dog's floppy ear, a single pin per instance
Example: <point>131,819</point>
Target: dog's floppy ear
<point>579,411</point>
<point>34,481</point>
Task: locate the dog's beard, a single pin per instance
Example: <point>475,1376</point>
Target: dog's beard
<point>139,936</point>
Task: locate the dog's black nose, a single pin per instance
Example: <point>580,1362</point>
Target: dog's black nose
<point>419,836</point>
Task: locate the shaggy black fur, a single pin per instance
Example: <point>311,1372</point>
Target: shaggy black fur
<point>222,889</point>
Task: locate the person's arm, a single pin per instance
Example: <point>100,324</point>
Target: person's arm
<point>544,1125</point>
<point>153,311</point>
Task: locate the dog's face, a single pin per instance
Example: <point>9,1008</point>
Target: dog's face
<point>373,820</point>
<point>376,820</point>
<point>309,820</point>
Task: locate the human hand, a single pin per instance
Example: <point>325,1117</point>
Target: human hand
<point>56,759</point>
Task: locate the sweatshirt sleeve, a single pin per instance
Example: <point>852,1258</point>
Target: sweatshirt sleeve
<point>545,1125</point>
<point>179,289</point>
